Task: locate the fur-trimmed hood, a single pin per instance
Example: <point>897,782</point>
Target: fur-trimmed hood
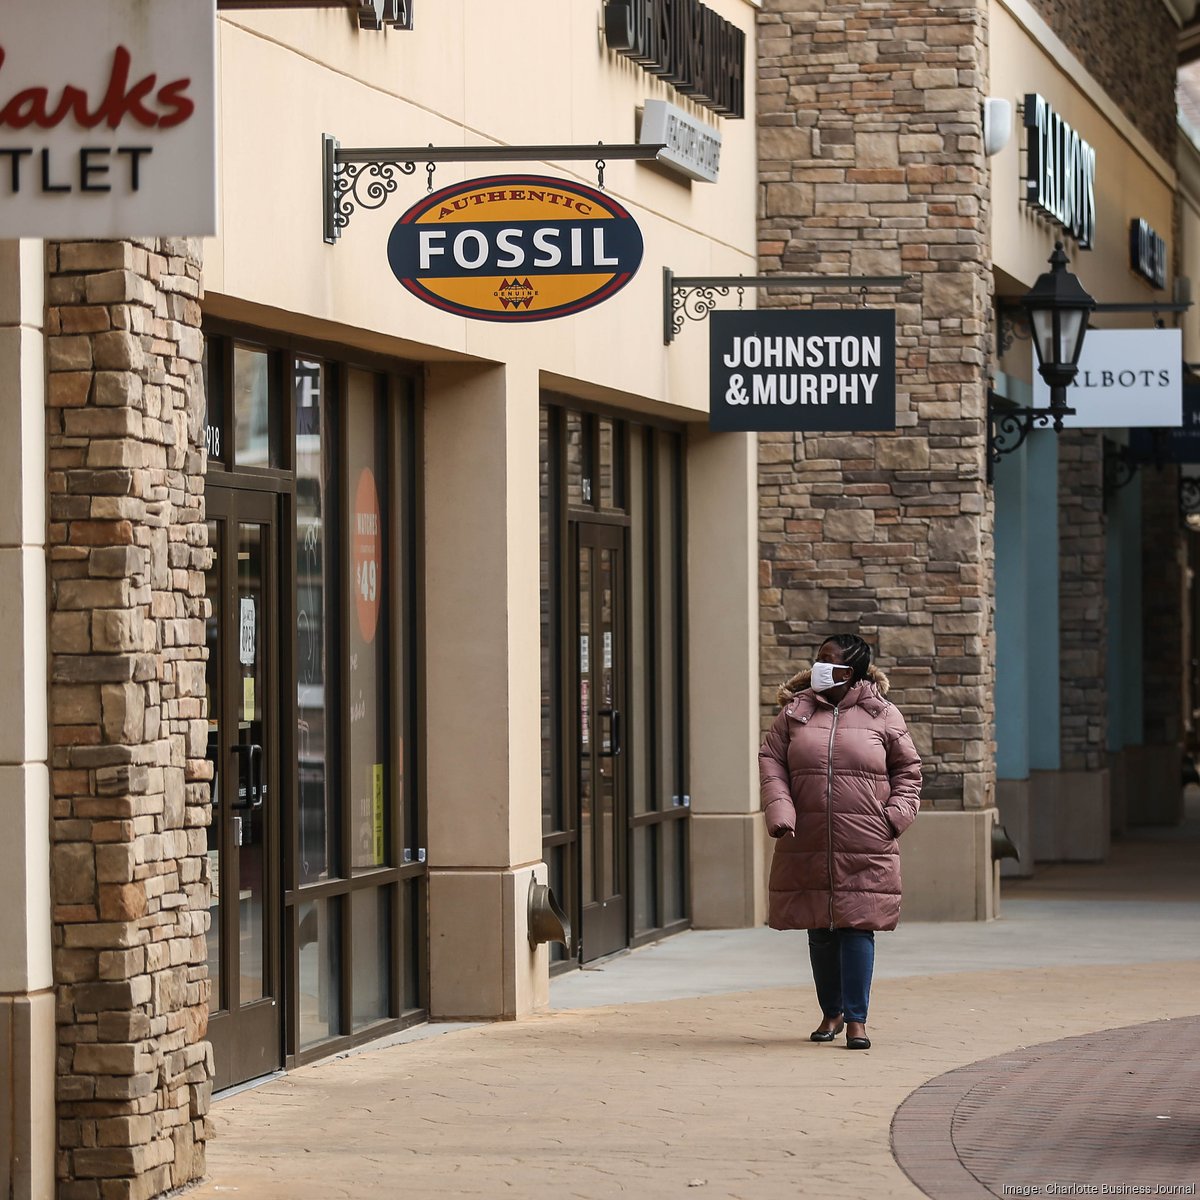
<point>798,682</point>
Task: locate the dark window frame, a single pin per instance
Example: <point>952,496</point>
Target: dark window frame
<point>399,386</point>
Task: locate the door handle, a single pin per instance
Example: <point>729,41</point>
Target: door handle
<point>250,768</point>
<point>614,742</point>
<point>256,776</point>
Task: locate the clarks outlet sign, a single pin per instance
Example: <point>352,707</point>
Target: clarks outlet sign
<point>107,122</point>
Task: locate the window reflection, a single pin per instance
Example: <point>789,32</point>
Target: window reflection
<point>318,820</point>
<point>366,564</point>
<point>319,946</point>
<point>253,429</point>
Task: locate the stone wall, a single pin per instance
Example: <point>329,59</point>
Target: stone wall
<point>130,802</point>
<point>1130,48</point>
<point>1082,601</point>
<point>1164,595</point>
<point>871,161</point>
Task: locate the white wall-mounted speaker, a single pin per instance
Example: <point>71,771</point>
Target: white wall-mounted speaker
<point>997,124</point>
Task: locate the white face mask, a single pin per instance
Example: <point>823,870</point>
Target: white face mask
<point>822,677</point>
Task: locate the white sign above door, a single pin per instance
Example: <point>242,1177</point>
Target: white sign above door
<point>1128,378</point>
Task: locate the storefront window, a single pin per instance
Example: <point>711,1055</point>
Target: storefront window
<point>668,620</point>
<point>316,488</point>
<point>365,575</point>
<point>612,463</point>
<point>371,913</point>
<point>319,944</point>
<point>256,434</point>
<point>579,460</point>
<point>340,496</point>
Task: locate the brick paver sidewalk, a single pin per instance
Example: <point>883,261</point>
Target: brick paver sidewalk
<point>1117,1109</point>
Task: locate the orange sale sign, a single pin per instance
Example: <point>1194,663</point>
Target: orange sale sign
<point>367,555</point>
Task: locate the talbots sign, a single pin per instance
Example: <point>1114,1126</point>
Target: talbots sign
<point>515,248</point>
<point>1127,378</point>
<point>830,371</point>
<point>107,118</point>
<point>1060,174</point>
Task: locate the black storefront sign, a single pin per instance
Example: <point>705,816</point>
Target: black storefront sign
<point>1147,253</point>
<point>815,372</point>
<point>1060,171</point>
<point>1179,445</point>
<point>685,43</point>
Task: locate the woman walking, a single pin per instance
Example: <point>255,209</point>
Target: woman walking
<point>841,781</point>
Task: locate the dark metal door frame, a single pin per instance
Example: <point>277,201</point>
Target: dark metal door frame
<point>247,1039</point>
<point>604,922</point>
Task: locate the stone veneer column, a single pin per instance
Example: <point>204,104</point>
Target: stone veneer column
<point>1158,764</point>
<point>129,792</point>
<point>871,163</point>
<point>1074,824</point>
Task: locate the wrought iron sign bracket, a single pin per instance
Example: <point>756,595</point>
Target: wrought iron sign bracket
<point>365,177</point>
<point>693,297</point>
<point>1007,428</point>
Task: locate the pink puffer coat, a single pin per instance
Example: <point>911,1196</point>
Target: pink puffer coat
<point>843,783</point>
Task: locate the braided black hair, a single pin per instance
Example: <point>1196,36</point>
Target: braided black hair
<point>856,654</point>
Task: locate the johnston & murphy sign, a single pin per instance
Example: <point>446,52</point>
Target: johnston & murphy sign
<point>107,119</point>
<point>826,371</point>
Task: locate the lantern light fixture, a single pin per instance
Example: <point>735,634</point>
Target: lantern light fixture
<point>1057,308</point>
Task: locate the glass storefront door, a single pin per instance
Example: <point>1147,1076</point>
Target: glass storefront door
<point>600,688</point>
<point>243,740</point>
<point>615,804</point>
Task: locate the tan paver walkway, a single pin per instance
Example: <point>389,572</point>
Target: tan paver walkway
<point>724,1093</point>
<point>721,1095</point>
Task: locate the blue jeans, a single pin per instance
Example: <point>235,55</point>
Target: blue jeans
<point>842,962</point>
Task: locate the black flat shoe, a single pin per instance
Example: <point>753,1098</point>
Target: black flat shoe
<point>819,1035</point>
<point>858,1043</point>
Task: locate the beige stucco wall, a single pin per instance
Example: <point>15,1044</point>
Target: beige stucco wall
<point>1132,179</point>
<point>475,73</point>
<point>522,72</point>
<point>27,1034</point>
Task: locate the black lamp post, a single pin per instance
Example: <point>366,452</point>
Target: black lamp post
<point>1058,309</point>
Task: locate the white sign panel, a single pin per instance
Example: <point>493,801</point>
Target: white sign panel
<point>692,147</point>
<point>107,118</point>
<point>246,641</point>
<point>1127,378</point>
